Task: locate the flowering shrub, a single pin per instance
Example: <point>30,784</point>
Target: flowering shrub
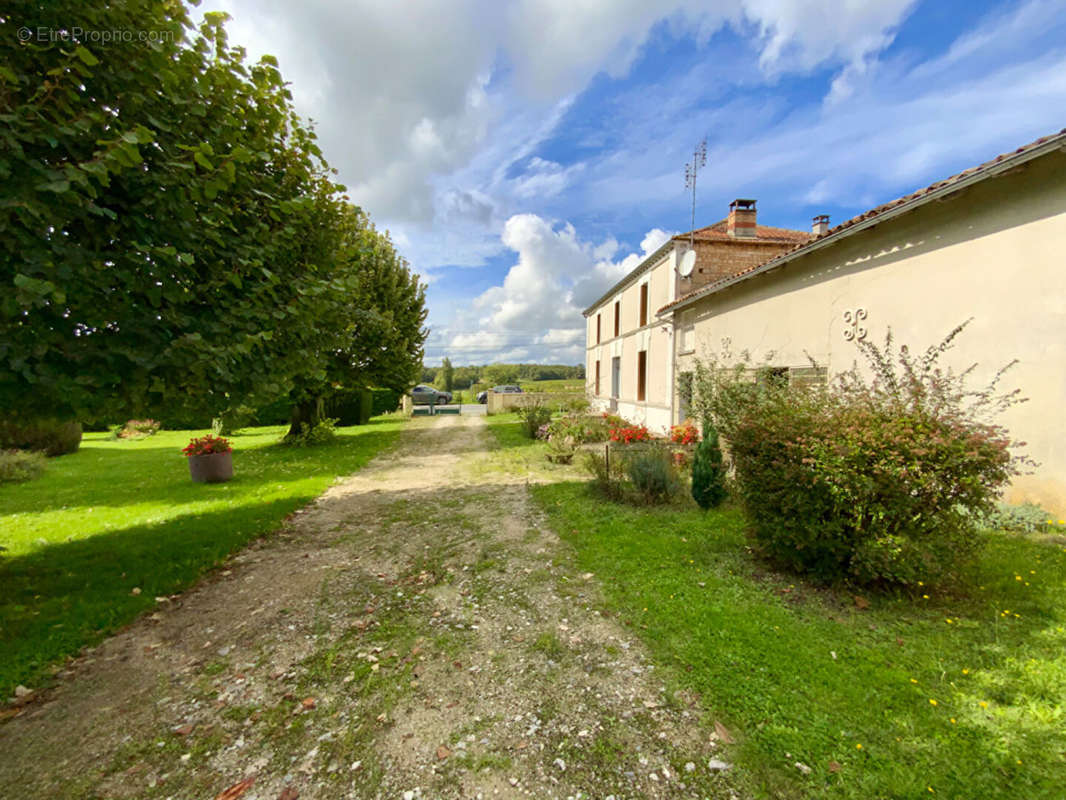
<point>579,427</point>
<point>685,433</point>
<point>629,434</point>
<point>207,445</point>
<point>875,480</point>
<point>533,416</point>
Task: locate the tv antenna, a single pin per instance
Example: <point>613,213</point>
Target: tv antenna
<point>692,168</point>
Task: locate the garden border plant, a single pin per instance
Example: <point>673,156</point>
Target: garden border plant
<point>877,480</point>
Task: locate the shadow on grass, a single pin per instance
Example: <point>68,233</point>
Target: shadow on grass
<point>61,597</point>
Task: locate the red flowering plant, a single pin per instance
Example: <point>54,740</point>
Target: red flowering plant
<point>629,434</point>
<point>207,445</point>
<point>685,433</point>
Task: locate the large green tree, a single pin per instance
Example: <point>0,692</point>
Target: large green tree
<point>447,374</point>
<point>168,228</point>
<point>381,333</point>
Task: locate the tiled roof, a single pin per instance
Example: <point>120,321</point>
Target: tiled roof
<point>719,232</point>
<point>937,189</point>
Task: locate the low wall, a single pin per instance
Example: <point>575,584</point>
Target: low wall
<point>501,403</point>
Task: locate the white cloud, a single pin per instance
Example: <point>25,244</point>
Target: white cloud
<point>537,308</point>
<point>434,113</point>
<point>406,94</point>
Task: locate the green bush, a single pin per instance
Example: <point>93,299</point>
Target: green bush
<point>581,428</point>
<point>607,477</point>
<point>878,480</point>
<point>51,436</point>
<point>708,471</point>
<point>20,465</point>
<point>533,416</point>
<point>322,432</point>
<point>652,473</point>
<point>136,428</point>
<point>1024,518</point>
<point>642,474</point>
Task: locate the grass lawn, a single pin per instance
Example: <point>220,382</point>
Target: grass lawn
<point>569,385</point>
<point>958,694</point>
<point>123,515</point>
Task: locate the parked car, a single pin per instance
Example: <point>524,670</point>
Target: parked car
<point>423,395</point>
<point>483,397</point>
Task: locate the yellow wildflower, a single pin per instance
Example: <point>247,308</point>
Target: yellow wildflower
<point>932,702</point>
<point>983,704</point>
<point>858,747</point>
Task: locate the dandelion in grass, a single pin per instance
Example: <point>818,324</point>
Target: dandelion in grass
<point>983,704</point>
<point>932,702</point>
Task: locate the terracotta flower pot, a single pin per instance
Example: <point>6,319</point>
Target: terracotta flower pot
<point>211,468</point>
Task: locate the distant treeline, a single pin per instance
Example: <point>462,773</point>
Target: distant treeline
<point>495,374</point>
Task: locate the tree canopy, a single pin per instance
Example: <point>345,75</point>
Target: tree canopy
<point>170,234</point>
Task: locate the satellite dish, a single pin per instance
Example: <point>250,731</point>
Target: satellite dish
<point>688,261</point>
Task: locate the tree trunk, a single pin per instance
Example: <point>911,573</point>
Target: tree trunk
<point>306,412</point>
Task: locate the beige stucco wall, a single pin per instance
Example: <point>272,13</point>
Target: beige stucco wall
<point>655,337</point>
<point>995,252</point>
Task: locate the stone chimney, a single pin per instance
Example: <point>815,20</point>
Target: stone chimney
<point>741,222</point>
<point>820,225</point>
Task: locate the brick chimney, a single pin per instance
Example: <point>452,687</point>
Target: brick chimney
<point>741,221</point>
<point>820,225</point>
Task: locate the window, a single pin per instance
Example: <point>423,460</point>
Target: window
<point>617,317</point>
<point>688,339</point>
<point>616,376</point>
<point>790,376</point>
<point>643,304</point>
<point>598,330</point>
<point>597,384</point>
<point>773,376</point>
<point>808,376</point>
<point>642,373</point>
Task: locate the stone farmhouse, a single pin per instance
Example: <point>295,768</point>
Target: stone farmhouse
<point>986,245</point>
<point>630,353</point>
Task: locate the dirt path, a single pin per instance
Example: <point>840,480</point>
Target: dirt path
<point>416,632</point>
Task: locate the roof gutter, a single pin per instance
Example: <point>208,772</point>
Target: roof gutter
<point>1007,164</point>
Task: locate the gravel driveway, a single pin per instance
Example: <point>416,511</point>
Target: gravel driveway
<point>418,631</point>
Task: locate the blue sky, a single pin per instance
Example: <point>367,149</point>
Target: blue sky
<point>526,155</point>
